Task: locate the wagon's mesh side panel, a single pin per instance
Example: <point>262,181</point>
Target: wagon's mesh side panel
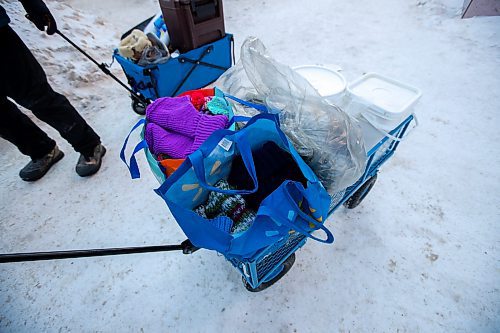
<point>269,262</point>
<point>336,198</point>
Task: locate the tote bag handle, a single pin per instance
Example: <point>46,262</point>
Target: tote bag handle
<point>259,107</point>
<point>288,219</point>
<point>132,166</point>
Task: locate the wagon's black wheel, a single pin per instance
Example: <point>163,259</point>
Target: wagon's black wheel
<point>287,264</point>
<point>138,107</point>
<point>361,193</point>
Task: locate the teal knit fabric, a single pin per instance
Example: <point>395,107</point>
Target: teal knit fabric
<point>218,105</point>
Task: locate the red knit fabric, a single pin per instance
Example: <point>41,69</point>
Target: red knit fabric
<point>197,99</point>
<point>205,92</point>
<point>198,96</point>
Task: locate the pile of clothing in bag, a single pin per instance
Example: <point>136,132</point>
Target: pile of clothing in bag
<point>273,166</point>
<point>177,126</point>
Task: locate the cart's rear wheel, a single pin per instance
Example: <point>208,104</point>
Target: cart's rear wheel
<point>138,107</point>
<point>361,193</point>
<point>287,264</point>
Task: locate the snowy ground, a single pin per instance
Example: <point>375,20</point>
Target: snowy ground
<point>421,253</point>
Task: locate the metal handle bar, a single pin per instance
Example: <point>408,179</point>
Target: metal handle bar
<point>186,247</point>
<point>105,70</point>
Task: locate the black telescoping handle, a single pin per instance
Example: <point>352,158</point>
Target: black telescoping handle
<point>105,70</point>
<point>186,247</point>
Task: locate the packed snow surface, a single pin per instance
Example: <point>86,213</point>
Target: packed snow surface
<point>421,253</point>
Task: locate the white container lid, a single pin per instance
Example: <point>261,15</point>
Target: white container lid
<point>390,97</point>
<point>326,81</point>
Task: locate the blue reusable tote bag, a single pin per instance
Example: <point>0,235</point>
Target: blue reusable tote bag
<point>289,207</point>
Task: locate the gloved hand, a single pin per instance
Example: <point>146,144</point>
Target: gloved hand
<point>40,15</point>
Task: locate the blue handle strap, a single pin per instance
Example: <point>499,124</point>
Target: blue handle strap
<point>238,119</point>
<point>197,158</point>
<point>272,117</point>
<point>277,214</point>
<point>259,107</point>
<point>133,168</point>
<point>284,220</point>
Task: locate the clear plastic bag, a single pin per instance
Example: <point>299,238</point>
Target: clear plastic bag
<point>328,139</point>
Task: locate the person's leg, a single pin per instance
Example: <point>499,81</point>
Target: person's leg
<point>55,110</point>
<point>24,81</point>
<point>19,129</point>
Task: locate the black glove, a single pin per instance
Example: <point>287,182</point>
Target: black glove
<point>40,15</point>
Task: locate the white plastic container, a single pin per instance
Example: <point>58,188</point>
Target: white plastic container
<point>382,101</point>
<point>327,82</point>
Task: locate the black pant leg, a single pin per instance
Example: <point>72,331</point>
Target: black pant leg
<point>55,109</point>
<point>23,79</point>
<point>19,129</point>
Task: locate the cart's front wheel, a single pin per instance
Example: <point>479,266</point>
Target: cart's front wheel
<point>361,193</point>
<point>138,107</point>
<point>285,267</point>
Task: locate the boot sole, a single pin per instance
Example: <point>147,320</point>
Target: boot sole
<point>98,166</point>
<point>54,161</point>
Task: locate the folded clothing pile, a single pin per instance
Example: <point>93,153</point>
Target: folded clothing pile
<point>176,128</point>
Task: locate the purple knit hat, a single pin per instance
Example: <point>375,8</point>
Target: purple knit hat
<point>161,141</point>
<point>177,114</point>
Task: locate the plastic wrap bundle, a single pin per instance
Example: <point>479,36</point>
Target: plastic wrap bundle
<point>326,137</point>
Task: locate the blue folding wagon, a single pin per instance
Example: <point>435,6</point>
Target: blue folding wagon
<point>191,70</point>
